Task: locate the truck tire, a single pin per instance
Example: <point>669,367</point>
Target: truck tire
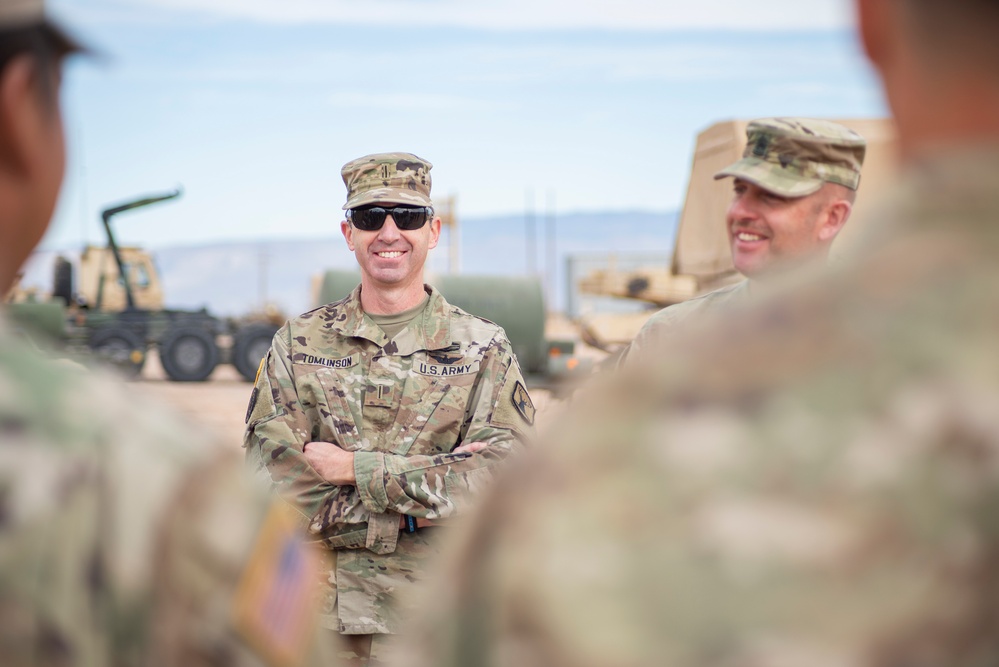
<point>188,354</point>
<point>121,349</point>
<point>249,345</point>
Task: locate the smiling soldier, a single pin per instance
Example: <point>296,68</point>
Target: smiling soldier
<point>380,416</point>
<point>794,189</point>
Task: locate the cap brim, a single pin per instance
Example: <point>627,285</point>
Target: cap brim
<point>772,177</point>
<point>65,40</point>
<point>388,196</point>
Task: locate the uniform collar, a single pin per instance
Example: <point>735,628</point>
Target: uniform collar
<point>429,331</point>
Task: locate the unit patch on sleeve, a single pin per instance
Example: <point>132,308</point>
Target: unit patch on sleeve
<point>253,404</point>
<point>445,370</point>
<point>522,401</point>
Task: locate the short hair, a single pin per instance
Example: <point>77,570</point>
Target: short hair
<point>957,30</point>
<point>46,45</point>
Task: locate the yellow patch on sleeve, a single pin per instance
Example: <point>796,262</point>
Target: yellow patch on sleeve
<point>274,609</point>
<point>260,368</point>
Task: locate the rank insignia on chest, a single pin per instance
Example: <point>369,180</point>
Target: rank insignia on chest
<point>522,401</point>
<point>445,370</point>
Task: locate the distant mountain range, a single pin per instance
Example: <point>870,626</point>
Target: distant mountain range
<point>236,277</point>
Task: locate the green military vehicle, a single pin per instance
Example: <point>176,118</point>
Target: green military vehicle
<point>116,313</point>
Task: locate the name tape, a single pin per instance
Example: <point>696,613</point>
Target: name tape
<point>345,362</point>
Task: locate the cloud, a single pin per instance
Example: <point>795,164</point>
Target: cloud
<point>621,15</point>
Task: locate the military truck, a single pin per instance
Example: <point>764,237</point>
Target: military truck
<point>116,313</point>
<point>702,259</point>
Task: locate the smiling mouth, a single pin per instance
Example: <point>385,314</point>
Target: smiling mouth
<point>390,254</point>
<point>749,236</point>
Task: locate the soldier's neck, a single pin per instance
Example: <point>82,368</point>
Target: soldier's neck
<point>392,299</point>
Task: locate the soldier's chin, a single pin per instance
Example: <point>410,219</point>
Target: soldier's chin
<point>749,264</point>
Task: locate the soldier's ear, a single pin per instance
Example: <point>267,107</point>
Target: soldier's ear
<point>348,233</point>
<point>435,232</point>
<point>23,117</point>
<point>837,213</point>
<point>875,20</point>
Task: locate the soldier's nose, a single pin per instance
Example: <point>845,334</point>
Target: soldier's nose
<point>388,231</point>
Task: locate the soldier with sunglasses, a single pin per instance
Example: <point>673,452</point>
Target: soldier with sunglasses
<point>379,417</point>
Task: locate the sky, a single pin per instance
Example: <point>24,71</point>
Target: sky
<point>252,106</point>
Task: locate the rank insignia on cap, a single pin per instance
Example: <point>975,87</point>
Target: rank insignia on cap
<point>762,146</point>
<point>522,401</point>
<point>274,608</point>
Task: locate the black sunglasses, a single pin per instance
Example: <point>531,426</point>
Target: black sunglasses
<point>371,218</point>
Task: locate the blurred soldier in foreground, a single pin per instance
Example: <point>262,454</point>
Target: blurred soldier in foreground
<point>379,416</point>
<point>125,539</point>
<point>794,190</point>
<point>822,489</point>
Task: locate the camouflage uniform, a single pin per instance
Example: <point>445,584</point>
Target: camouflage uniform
<point>792,157</point>
<point>664,324</point>
<point>821,490</point>
<point>128,539</point>
<point>401,406</point>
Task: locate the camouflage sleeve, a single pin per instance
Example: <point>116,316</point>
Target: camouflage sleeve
<point>277,430</point>
<point>499,413</point>
<point>224,576</point>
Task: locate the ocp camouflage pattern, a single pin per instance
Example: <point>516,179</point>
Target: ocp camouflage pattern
<point>124,533</point>
<point>399,178</point>
<point>795,156</point>
<point>669,323</point>
<point>821,489</point>
<point>401,406</point>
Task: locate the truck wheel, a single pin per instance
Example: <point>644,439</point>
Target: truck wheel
<point>188,354</point>
<point>121,349</point>
<point>249,345</point>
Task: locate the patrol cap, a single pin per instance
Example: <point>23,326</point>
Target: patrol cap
<point>793,157</point>
<point>16,14</point>
<point>390,178</point>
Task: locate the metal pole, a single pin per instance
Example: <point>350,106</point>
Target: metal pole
<point>552,262</point>
<point>454,236</point>
<point>262,287</point>
<point>529,233</point>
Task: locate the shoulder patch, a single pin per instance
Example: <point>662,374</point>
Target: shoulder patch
<point>274,609</point>
<point>253,402</point>
<point>260,369</point>
<point>522,401</point>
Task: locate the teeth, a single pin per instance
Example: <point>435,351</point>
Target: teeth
<point>746,236</point>
<point>389,255</point>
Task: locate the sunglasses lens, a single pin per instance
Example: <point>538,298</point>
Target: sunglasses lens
<point>368,219</point>
<point>371,219</point>
<point>409,218</point>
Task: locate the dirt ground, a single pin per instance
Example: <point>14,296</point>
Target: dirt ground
<point>220,403</point>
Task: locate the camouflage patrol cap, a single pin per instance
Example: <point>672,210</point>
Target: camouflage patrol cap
<point>793,157</point>
<point>15,14</point>
<point>390,178</point>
